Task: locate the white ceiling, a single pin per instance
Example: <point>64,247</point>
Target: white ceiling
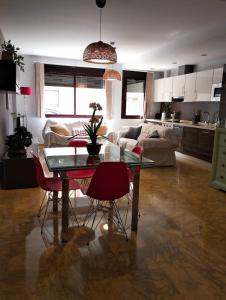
<point>147,33</point>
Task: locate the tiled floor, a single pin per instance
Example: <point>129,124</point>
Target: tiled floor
<point>179,251</point>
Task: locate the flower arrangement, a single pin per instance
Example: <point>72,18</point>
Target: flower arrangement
<point>95,123</point>
<point>9,52</point>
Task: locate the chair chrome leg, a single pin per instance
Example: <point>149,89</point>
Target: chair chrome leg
<point>41,206</point>
<point>91,228</point>
<point>73,214</point>
<point>120,219</point>
<point>44,217</point>
<point>91,211</point>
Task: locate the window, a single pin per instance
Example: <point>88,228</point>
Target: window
<point>69,91</point>
<point>133,92</point>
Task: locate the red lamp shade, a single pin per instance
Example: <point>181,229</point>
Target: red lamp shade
<point>26,90</point>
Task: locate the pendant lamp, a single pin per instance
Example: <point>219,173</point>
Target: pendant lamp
<point>100,52</point>
<point>111,74</point>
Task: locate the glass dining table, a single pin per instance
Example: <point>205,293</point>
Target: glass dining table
<point>63,159</point>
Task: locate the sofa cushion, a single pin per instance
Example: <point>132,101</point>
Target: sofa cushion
<point>60,129</point>
<point>79,131</point>
<point>133,133</point>
<point>154,134</point>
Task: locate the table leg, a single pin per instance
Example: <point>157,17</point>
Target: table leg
<point>55,198</point>
<point>65,206</point>
<point>135,203</point>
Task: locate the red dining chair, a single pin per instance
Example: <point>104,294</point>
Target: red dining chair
<point>139,150</point>
<point>50,185</point>
<point>80,174</point>
<point>109,183</point>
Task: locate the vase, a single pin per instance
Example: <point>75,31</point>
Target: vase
<point>93,149</point>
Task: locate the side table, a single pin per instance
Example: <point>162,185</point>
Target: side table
<point>19,172</point>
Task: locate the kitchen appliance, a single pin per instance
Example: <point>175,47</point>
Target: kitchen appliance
<point>216,92</point>
<point>178,99</point>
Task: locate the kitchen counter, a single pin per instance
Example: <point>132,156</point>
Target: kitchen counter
<point>184,123</point>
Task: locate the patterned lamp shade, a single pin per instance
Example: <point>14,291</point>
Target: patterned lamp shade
<point>111,74</point>
<point>100,53</point>
<point>26,90</point>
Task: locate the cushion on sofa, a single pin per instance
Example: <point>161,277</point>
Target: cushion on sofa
<point>133,133</point>
<point>102,130</point>
<point>79,131</point>
<point>154,134</point>
<point>60,129</point>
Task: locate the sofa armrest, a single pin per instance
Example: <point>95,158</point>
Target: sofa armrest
<point>171,136</point>
<point>47,127</point>
<point>52,138</point>
<point>121,134</point>
<point>155,143</point>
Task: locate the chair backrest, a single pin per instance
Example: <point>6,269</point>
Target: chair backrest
<point>77,143</point>
<point>109,182</point>
<point>138,150</point>
<point>39,172</point>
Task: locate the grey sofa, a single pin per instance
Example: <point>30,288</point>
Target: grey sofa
<point>160,149</point>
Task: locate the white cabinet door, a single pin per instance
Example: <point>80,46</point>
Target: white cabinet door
<point>204,82</point>
<point>217,75</point>
<point>190,87</point>
<point>168,89</point>
<point>163,89</point>
<point>178,85</point>
<point>158,90</point>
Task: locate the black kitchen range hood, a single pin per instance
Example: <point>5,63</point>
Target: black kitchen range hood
<point>178,99</point>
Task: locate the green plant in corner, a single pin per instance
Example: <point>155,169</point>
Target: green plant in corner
<point>10,52</point>
<point>95,123</point>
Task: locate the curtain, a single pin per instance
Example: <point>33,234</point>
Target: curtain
<point>39,89</point>
<point>148,94</point>
<point>108,88</point>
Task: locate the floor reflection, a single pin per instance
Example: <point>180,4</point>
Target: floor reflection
<point>177,253</point>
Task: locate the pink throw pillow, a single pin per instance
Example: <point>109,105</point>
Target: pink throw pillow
<point>142,136</point>
<point>79,131</point>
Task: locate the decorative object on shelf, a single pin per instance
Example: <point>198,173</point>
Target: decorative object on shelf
<point>111,74</point>
<point>10,52</point>
<point>93,148</point>
<point>18,141</point>
<point>25,91</point>
<point>100,52</point>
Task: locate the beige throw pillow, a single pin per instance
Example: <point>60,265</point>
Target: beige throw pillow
<point>60,129</point>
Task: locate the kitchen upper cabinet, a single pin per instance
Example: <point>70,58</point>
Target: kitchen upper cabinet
<point>190,87</point>
<point>193,87</point>
<point>217,75</point>
<point>178,85</point>
<point>158,90</point>
<point>168,88</point>
<point>163,90</point>
<point>204,80</point>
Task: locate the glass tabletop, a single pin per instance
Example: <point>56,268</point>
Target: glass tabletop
<point>70,158</point>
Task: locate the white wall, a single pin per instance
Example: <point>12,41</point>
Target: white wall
<point>27,78</point>
<point>6,119</point>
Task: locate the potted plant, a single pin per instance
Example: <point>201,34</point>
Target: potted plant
<point>10,52</point>
<point>18,141</point>
<point>93,148</point>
